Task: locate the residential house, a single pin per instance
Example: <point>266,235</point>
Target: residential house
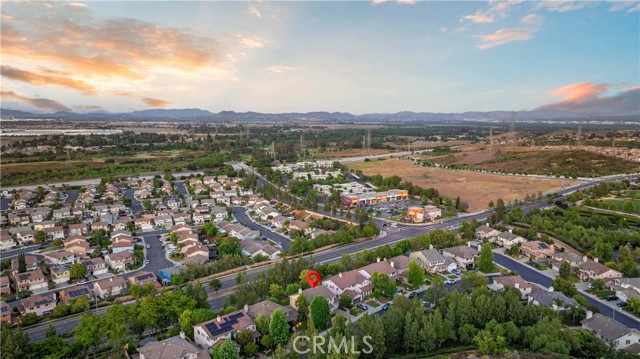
<point>431,259</point>
<point>573,259</point>
<point>267,307</point>
<point>591,270</point>
<point>61,256</point>
<point>310,293</point>
<point>207,334</point>
<point>6,240</point>
<point>177,347</point>
<point>352,283</point>
<point>61,273</point>
<point>68,295</point>
<point>121,223</point>
<point>40,304</point>
<point>218,214</point>
<point>96,226</point>
<point>61,213</point>
<point>5,286</point>
<point>165,221</point>
<point>536,250</point>
<point>508,239</point>
<point>300,226</point>
<point>181,219</point>
<point>610,331</point>
<point>254,248</point>
<point>79,229</point>
<point>77,245</point>
<point>6,314</point>
<point>626,288</point>
<point>24,235</point>
<point>465,256</point>
<point>551,299</point>
<point>486,233</point>
<point>112,286</point>
<point>379,266</point>
<point>145,224</point>
<point>401,264</point>
<point>142,278</point>
<point>119,260</point>
<point>514,281</point>
<point>30,260</point>
<point>279,221</point>
<point>95,266</point>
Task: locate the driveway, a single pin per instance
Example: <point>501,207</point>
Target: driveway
<point>136,206</point>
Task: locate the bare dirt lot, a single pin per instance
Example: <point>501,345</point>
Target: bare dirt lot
<point>474,189</point>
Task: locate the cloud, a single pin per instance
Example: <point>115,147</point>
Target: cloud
<point>401,2</point>
<point>630,6</point>
<point>495,9</point>
<point>253,10</point>
<point>563,5</point>
<point>532,19</point>
<point>250,42</point>
<point>504,36</point>
<point>154,102</point>
<point>41,103</point>
<point>280,69</point>
<point>590,98</point>
<point>48,77</point>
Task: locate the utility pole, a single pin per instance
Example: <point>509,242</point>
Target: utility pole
<point>369,139</point>
<point>364,142</point>
<point>490,140</point>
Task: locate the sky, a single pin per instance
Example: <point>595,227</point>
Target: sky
<point>358,57</point>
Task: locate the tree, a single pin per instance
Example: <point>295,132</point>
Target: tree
<point>15,343</point>
<point>564,286</point>
<point>40,237</point>
<point>485,259</point>
<point>320,312</point>
<point>628,207</point>
<point>345,302</point>
<point>80,304</point>
<point>603,250</point>
<point>490,343</point>
<point>115,326</point>
<point>565,270</point>
<point>209,230</point>
<point>598,284</point>
<point>88,333</point>
<point>371,326</point>
<point>384,284</point>
<point>279,328</point>
<point>22,263</point>
<point>415,273</point>
<point>226,350</point>
<point>78,271</point>
<point>302,303</point>
<point>262,323</point>
<point>215,284</point>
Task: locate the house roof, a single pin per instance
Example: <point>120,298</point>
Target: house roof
<point>546,298</point>
<point>267,307</point>
<point>605,326</point>
<point>595,267</point>
<point>432,255</point>
<point>320,290</point>
<point>484,229</point>
<point>77,291</point>
<point>172,348</point>
<point>535,245</point>
<point>228,323</point>
<point>110,282</point>
<point>347,279</point>
<point>462,251</point>
<point>378,267</point>
<point>512,280</point>
<point>32,274</point>
<point>39,299</point>
<point>58,254</point>
<point>508,236</point>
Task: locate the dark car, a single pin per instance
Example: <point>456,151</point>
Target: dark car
<point>386,306</point>
<point>621,304</point>
<point>412,294</point>
<point>611,298</point>
<point>11,299</point>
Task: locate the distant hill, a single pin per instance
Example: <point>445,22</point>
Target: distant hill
<point>194,114</point>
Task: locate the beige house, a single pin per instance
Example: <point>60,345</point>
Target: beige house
<point>40,304</point>
<point>111,286</point>
<point>209,333</point>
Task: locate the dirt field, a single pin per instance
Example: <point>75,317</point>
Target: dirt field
<point>11,168</point>
<point>474,189</point>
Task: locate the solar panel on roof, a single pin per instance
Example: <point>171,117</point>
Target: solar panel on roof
<point>544,246</point>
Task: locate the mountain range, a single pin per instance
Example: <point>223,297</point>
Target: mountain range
<point>194,114</point>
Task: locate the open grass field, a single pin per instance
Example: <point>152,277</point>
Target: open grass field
<point>10,168</point>
<point>619,205</point>
<point>351,153</point>
<point>474,189</point>
<point>540,161</point>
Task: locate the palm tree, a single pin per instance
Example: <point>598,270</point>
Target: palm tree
<point>558,303</point>
<point>575,311</point>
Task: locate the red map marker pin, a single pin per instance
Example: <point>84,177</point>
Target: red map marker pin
<point>313,278</point>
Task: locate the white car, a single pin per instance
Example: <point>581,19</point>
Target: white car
<point>146,261</point>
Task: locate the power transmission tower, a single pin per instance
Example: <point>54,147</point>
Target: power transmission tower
<point>364,142</point>
<point>490,140</point>
<point>369,139</point>
<point>512,128</point>
<point>579,136</point>
<point>68,165</point>
<point>301,141</point>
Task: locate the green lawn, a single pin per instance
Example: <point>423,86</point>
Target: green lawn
<point>355,311</point>
<point>602,294</point>
<point>618,205</point>
<point>630,194</point>
<point>542,266</point>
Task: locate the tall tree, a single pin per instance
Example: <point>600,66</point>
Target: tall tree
<point>279,328</point>
<point>485,259</point>
<point>88,334</point>
<point>22,263</point>
<point>415,273</point>
<point>302,303</point>
<point>226,350</point>
<point>320,312</point>
<point>370,336</point>
<point>77,271</point>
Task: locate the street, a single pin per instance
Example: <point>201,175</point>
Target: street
<point>241,215</point>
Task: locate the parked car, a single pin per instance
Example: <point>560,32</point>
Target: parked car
<point>146,261</point>
<point>451,281</point>
<point>621,304</point>
<point>456,271</point>
<point>362,306</point>
<point>589,286</point>
<point>386,306</point>
<point>412,294</point>
<point>148,246</point>
<point>611,298</point>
